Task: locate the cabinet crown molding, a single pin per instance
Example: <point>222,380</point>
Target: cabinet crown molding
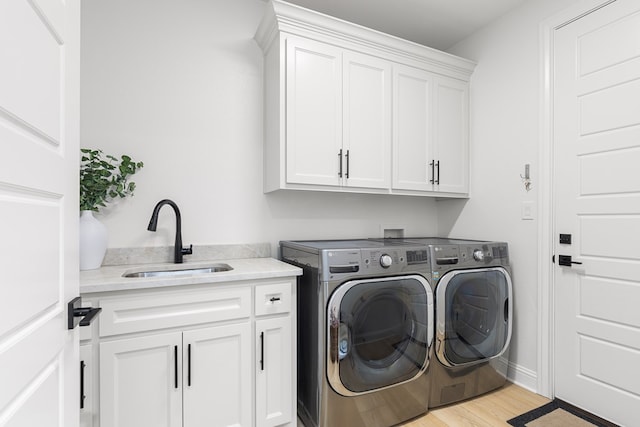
<point>283,17</point>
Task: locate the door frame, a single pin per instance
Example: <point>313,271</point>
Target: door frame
<point>546,212</point>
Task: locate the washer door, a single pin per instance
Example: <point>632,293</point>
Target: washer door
<point>379,333</point>
<point>473,315</point>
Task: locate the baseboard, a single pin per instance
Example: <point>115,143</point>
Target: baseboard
<point>519,375</point>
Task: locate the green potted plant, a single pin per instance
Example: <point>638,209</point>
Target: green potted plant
<point>103,178</point>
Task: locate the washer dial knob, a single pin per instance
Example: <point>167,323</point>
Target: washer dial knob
<point>386,261</point>
<point>478,255</point>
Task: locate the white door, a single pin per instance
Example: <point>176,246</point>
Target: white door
<point>314,113</point>
<point>273,372</point>
<point>367,121</point>
<point>217,376</point>
<point>412,129</point>
<point>451,137</point>
<point>39,163</point>
<point>597,153</point>
<point>141,381</point>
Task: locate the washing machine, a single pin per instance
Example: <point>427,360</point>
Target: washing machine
<point>364,331</point>
<point>473,304</point>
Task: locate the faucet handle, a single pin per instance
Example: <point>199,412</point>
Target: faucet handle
<point>187,251</point>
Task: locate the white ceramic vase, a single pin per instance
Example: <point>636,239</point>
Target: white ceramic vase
<point>93,241</point>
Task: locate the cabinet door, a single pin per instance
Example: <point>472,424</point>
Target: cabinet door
<point>87,397</point>
<point>274,372</point>
<point>313,112</point>
<point>217,376</point>
<point>141,381</point>
<point>367,121</point>
<point>412,129</point>
<point>451,136</point>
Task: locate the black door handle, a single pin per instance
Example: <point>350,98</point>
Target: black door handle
<point>347,158</point>
<point>189,365</point>
<point>433,171</point>
<point>82,396</point>
<point>565,260</point>
<point>175,366</point>
<point>75,311</point>
<point>262,351</point>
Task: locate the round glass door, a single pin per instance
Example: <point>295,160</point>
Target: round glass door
<point>379,333</point>
<point>473,321</point>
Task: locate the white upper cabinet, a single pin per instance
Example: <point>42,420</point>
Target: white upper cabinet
<point>352,109</point>
<point>451,135</point>
<point>366,137</point>
<point>314,112</point>
<point>412,129</point>
<point>338,116</point>
<point>430,132</point>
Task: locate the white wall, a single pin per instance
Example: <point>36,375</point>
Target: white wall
<point>178,85</point>
<point>505,131</point>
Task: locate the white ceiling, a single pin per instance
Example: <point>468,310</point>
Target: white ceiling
<point>435,23</point>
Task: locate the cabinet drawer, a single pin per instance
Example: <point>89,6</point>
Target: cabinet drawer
<point>149,312</point>
<point>272,299</point>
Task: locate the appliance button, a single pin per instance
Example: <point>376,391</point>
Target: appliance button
<point>386,261</point>
<point>478,255</point>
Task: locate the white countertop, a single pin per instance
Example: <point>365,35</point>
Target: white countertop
<point>107,279</point>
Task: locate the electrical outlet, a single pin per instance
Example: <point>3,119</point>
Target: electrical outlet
<point>392,232</point>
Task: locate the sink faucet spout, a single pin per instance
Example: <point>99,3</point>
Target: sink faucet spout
<point>153,224</point>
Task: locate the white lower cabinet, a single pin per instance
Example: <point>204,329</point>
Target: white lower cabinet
<point>87,396</point>
<point>216,378</point>
<point>274,376</point>
<point>200,356</point>
<point>141,381</point>
<point>153,380</point>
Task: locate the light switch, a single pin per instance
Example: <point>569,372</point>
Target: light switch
<point>527,210</point>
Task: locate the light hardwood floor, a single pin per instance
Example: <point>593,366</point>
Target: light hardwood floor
<point>489,410</point>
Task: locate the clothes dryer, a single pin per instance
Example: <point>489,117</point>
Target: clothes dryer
<point>473,303</point>
<point>365,329</point>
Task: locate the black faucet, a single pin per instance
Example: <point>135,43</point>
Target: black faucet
<point>153,223</point>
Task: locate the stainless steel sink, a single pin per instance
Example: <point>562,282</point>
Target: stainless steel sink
<point>187,271</point>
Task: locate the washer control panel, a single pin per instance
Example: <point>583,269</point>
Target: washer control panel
<point>485,253</point>
<point>448,257</point>
<point>348,262</point>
